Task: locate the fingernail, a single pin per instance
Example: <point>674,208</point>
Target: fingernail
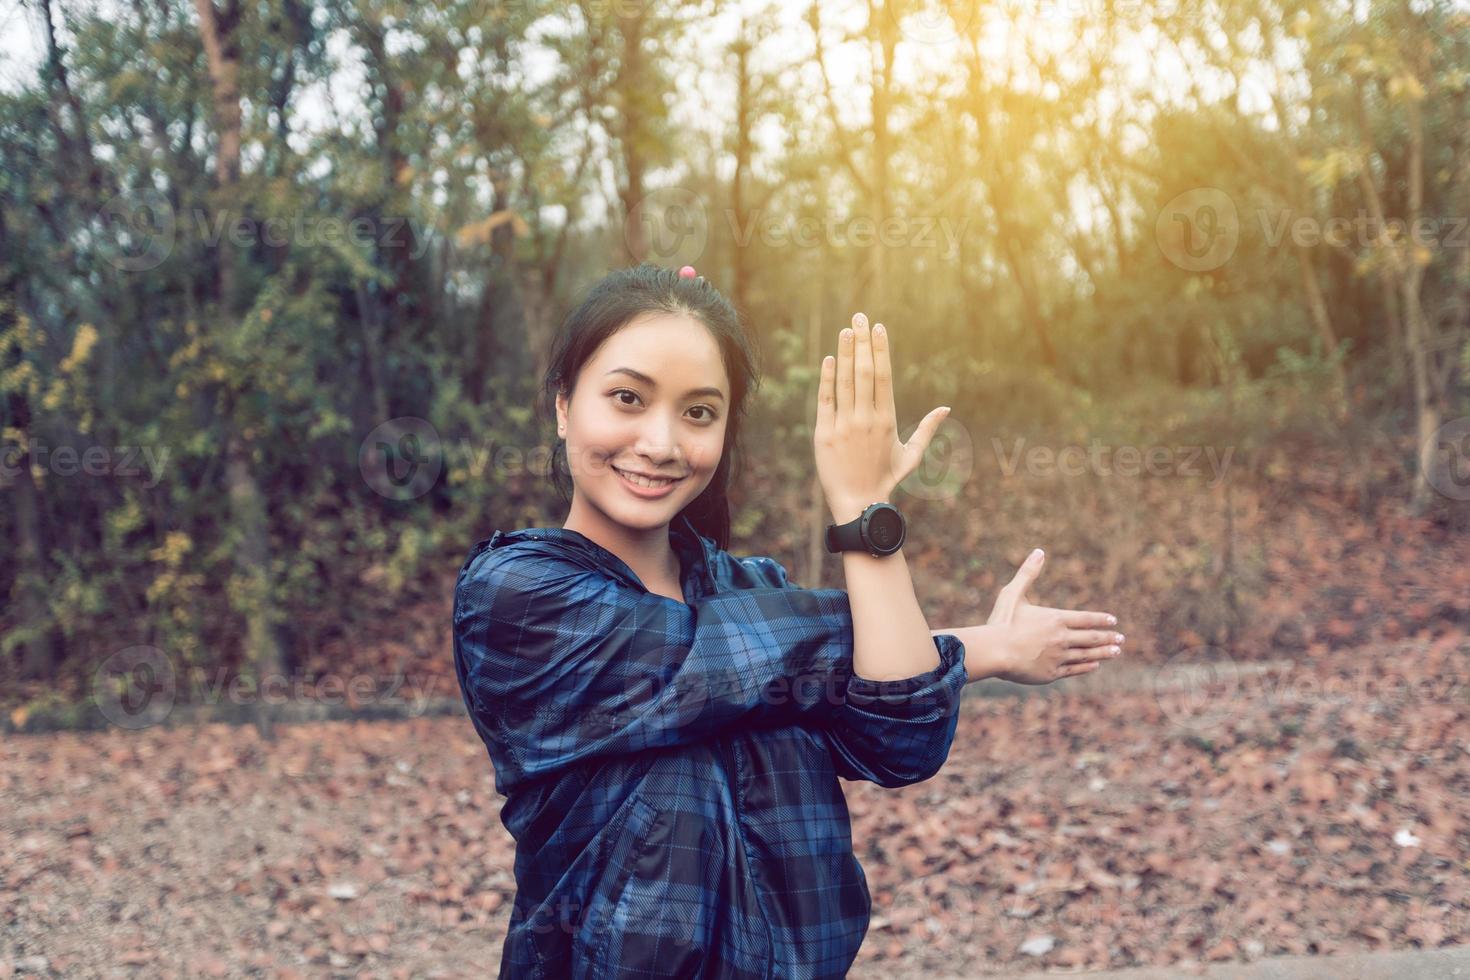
<point>1117,637</point>
<point>1112,620</point>
<point>1037,554</point>
<point>878,331</point>
<point>944,410</point>
<point>847,333</point>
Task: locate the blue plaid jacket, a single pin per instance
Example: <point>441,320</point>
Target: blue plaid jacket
<point>669,769</point>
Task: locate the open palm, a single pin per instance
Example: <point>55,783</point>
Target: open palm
<point>1039,644</point>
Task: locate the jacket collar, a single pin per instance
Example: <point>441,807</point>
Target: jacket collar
<point>695,551</point>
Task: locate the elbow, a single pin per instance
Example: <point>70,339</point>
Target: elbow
<point>917,772</point>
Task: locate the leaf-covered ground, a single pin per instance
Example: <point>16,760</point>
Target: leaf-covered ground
<point>1314,809</point>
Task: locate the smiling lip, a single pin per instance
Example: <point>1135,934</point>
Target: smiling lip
<point>649,493</point>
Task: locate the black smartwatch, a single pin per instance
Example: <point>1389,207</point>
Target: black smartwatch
<point>879,531</point>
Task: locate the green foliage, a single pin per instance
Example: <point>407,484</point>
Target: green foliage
<point>1029,283</point>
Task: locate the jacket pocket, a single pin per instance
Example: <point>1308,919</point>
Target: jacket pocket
<point>628,834</point>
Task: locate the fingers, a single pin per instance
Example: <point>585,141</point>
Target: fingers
<point>1026,575</point>
<point>923,432</point>
<point>827,396</point>
<point>883,401</point>
<point>1093,638</point>
<point>1079,619</point>
<point>844,373</point>
<point>1091,655</point>
<point>862,371</point>
<point>1074,669</point>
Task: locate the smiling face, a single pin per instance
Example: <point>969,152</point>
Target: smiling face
<point>651,402</point>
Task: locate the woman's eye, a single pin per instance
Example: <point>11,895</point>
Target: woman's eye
<point>709,414</point>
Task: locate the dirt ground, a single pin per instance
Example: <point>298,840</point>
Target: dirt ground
<point>1314,810</point>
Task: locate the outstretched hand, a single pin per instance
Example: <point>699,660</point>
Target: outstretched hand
<point>859,457</point>
<point>1038,645</point>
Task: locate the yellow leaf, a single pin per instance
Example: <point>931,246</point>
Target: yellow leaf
<point>19,715</point>
<point>478,232</point>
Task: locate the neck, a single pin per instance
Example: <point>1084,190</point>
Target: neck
<point>647,551</point>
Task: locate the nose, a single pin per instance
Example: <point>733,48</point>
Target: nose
<point>657,438</point>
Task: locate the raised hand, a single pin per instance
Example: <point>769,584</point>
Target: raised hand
<point>859,457</point>
<point>1039,645</point>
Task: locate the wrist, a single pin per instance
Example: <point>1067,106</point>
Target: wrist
<point>985,654</point>
<point>851,508</point>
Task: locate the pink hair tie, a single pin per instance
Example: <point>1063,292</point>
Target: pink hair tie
<point>687,272</point>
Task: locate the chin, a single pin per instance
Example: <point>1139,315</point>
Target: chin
<point>650,514</point>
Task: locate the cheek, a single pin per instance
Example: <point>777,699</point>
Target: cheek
<point>600,431</point>
<point>705,452</point>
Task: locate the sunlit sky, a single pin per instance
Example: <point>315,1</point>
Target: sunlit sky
<point>1006,31</point>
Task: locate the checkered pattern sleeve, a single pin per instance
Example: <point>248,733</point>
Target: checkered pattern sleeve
<point>897,732</point>
<point>558,662</point>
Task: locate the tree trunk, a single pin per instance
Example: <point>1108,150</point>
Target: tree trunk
<point>39,653</point>
<point>252,562</point>
<point>1322,320</point>
<point>886,26</point>
<point>630,78</point>
<point>222,51</point>
<point>744,111</point>
<point>248,514</point>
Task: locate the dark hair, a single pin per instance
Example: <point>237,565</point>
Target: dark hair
<point>613,302</point>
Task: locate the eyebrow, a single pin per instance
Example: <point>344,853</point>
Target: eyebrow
<point>692,392</point>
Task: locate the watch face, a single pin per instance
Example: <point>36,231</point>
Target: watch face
<point>885,529</point>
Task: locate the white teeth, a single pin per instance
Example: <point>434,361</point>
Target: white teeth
<point>644,481</point>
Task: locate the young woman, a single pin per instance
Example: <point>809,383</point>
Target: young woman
<point>668,722</point>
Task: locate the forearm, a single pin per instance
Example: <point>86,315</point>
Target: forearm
<point>982,657</point>
<point>891,640</point>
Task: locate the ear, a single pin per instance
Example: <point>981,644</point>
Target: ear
<point>561,410</point>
